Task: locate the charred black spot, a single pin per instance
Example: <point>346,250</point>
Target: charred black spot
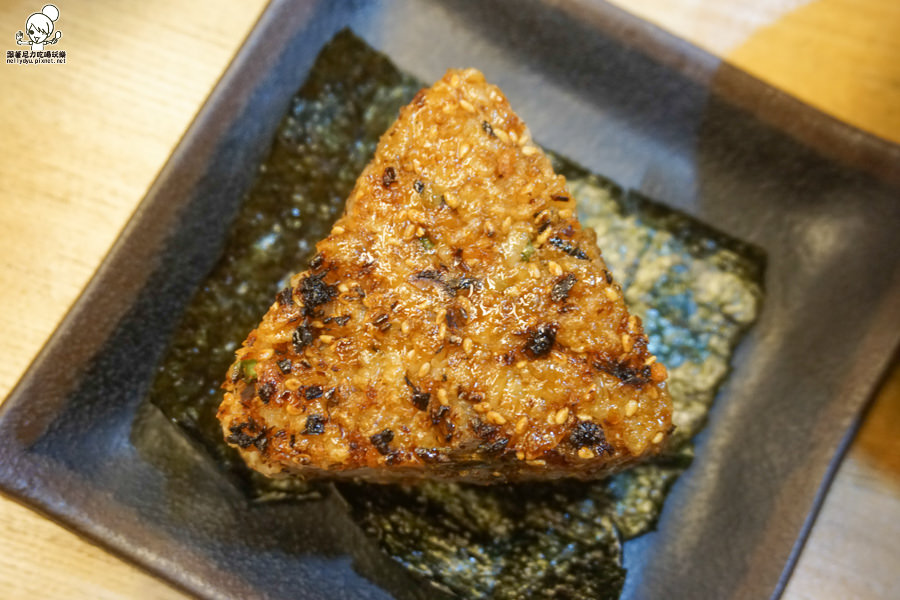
<point>430,455</point>
<point>313,392</point>
<point>543,226</point>
<point>382,441</point>
<point>284,365</point>
<point>432,274</point>
<point>464,283</point>
<point>608,276</point>
<point>625,372</point>
<point>419,187</point>
<point>494,448</point>
<point>487,128</point>
<point>484,431</point>
<point>588,434</point>
<point>316,261</point>
<point>568,247</point>
<point>540,341</point>
<point>316,292</point>
<point>382,322</point>
<point>439,414</point>
<point>315,425</point>
<point>341,320</point>
<point>561,198</point>
<point>420,399</point>
<point>285,297</point>
<point>303,337</point>
<point>248,433</point>
<point>562,287</point>
<point>388,177</point>
<point>437,276</point>
<point>265,391</point>
<point>439,418</point>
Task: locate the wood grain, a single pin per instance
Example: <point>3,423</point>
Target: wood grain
<point>83,141</point>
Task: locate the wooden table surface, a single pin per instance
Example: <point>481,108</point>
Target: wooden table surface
<point>83,141</point>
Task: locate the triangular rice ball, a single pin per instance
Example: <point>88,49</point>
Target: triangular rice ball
<point>457,323</point>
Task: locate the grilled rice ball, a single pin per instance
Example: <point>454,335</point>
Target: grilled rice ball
<point>458,323</point>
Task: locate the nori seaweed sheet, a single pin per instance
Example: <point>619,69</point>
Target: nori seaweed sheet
<point>696,290</point>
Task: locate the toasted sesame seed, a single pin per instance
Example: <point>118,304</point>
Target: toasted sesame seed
<point>521,364</point>
<point>543,237</point>
<point>442,330</point>
<point>529,150</point>
<point>554,267</point>
<point>404,327</point>
<point>338,230</point>
<point>658,437</point>
<point>611,293</point>
<point>326,339</point>
<point>463,149</point>
<point>342,288</point>
<point>467,105</point>
<point>504,137</point>
<point>318,324</point>
<point>583,417</point>
<point>408,231</point>
<point>561,416</point>
<point>293,410</point>
<point>513,135</point>
<point>521,424</point>
<point>292,384</point>
<point>627,342</point>
<point>533,270</point>
<point>442,395</point>
<point>632,322</point>
<point>511,291</point>
<point>451,200</point>
<point>585,453</point>
<point>631,408</point>
<point>495,418</point>
<point>565,214</point>
<point>520,454</point>
<point>424,369</point>
<point>658,372</point>
<point>454,80</point>
<point>419,232</point>
<point>265,354</point>
<point>507,222</point>
<point>488,228</point>
<point>537,462</point>
<point>650,361</point>
<point>482,407</point>
<point>467,345</point>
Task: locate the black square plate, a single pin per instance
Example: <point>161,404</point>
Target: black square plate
<point>596,85</point>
